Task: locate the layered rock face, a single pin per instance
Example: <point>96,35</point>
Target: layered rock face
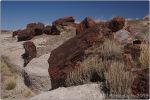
<point>84,25</point>
<point>70,55</point>
<point>30,52</point>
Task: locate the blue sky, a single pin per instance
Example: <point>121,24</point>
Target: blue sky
<point>17,14</point>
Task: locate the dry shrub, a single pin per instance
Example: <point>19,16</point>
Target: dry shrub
<point>144,56</point>
<point>118,81</point>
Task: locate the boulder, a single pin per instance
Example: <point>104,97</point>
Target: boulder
<point>84,25</point>
<point>30,52</point>
<point>140,84</point>
<point>116,24</point>
<point>31,30</point>
<point>47,30</point>
<point>64,20</point>
<point>55,30</point>
<point>36,75</point>
<point>36,27</point>
<point>68,56</point>
<point>25,34</point>
<point>81,92</point>
<point>31,26</point>
<point>39,28</point>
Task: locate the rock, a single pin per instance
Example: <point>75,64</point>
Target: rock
<point>137,41</point>
<point>116,24</point>
<point>55,30</point>
<point>47,30</point>
<point>131,55</point>
<point>30,52</point>
<point>16,33</point>
<point>31,30</point>
<point>36,76</point>
<point>64,20</point>
<point>37,28</point>
<point>140,84</point>
<point>59,23</point>
<point>81,92</point>
<point>123,36</point>
<point>25,34</point>
<point>31,26</point>
<point>146,18</point>
<point>84,25</point>
<point>68,56</point>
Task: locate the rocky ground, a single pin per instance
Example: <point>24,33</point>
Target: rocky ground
<point>65,66</point>
<point>11,52</point>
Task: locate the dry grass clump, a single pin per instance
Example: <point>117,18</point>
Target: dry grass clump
<point>118,81</point>
<point>106,60</point>
<point>9,78</point>
<point>28,93</point>
<point>4,68</point>
<point>10,83</point>
<point>84,74</point>
<point>95,63</point>
<point>144,56</point>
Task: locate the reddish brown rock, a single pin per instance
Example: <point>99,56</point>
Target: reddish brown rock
<point>31,26</point>
<point>55,30</point>
<point>36,27</point>
<point>131,55</point>
<point>25,34</point>
<point>32,30</point>
<point>39,29</point>
<point>47,30</point>
<point>15,33</point>
<point>67,57</point>
<point>140,84</point>
<point>30,52</point>
<point>84,25</point>
<point>64,20</point>
<point>116,24</point>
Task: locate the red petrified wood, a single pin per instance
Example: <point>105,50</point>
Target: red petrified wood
<point>30,52</point>
<point>84,25</point>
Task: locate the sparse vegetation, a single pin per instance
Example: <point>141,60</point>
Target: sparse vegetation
<point>111,67</point>
<point>9,77</point>
<point>118,81</point>
<point>10,83</point>
<point>144,57</point>
<point>83,74</point>
<point>28,93</point>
